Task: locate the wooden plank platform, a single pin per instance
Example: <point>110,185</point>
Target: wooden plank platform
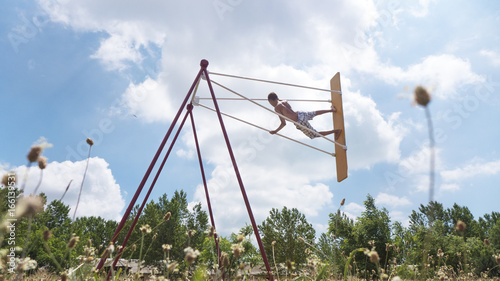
<point>338,123</point>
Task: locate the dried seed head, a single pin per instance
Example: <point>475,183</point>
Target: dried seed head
<point>422,97</point>
<point>241,238</point>
<point>64,277</point>
<point>29,206</point>
<point>302,239</point>
<point>89,243</point>
<point>46,235</point>
<point>145,229</point>
<point>238,250</point>
<point>211,231</point>
<point>34,153</point>
<point>497,259</point>
<point>9,179</point>
<point>225,259</point>
<point>111,247</point>
<point>167,216</point>
<point>171,267</point>
<point>374,257</point>
<point>166,247</point>
<point>273,243</point>
<point>487,242</point>
<point>154,236</point>
<point>460,227</point>
<point>42,162</point>
<point>72,242</point>
<point>191,255</point>
<point>190,232</point>
<point>342,202</point>
<point>290,265</point>
<point>90,142</point>
<point>134,247</point>
<point>242,266</point>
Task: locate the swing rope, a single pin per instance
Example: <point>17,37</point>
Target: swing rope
<point>284,117</point>
<point>273,82</point>
<point>299,100</point>
<point>264,129</point>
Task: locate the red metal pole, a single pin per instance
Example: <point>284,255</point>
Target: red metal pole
<point>204,64</point>
<point>147,194</point>
<point>152,164</point>
<point>209,205</point>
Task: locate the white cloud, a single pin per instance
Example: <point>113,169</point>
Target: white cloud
<point>353,210</point>
<point>391,200</point>
<point>477,168</point>
<point>450,187</point>
<point>101,195</point>
<point>423,10</point>
<point>492,56</point>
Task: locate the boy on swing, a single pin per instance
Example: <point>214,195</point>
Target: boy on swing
<point>283,107</point>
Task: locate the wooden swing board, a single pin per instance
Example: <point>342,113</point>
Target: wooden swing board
<point>338,123</point>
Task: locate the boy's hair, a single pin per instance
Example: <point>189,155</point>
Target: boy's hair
<point>272,96</point>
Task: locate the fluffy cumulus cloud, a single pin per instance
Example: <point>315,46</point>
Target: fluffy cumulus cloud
<point>471,170</point>
<point>391,200</point>
<point>307,46</point>
<point>101,195</point>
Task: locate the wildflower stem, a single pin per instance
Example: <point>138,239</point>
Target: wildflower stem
<point>39,182</point>
<point>432,152</point>
<point>81,186</point>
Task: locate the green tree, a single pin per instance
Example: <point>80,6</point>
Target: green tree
<point>373,225</point>
<point>285,227</point>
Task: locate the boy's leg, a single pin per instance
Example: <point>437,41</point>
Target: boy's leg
<point>319,112</point>
<point>337,133</point>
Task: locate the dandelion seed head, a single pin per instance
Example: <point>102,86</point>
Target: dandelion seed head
<point>90,142</point>
<point>342,202</point>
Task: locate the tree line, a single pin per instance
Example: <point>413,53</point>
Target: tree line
<point>437,239</point>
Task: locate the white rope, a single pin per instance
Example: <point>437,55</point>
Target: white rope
<point>274,82</point>
<point>284,117</point>
<point>248,123</point>
<point>300,100</point>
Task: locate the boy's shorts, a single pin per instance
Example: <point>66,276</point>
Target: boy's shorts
<point>303,118</point>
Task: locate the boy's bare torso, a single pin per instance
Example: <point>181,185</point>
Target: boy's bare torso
<point>284,108</point>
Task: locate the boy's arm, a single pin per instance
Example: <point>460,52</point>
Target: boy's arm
<point>283,124</point>
<point>279,110</point>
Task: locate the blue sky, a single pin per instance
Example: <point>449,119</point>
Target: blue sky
<point>117,71</point>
